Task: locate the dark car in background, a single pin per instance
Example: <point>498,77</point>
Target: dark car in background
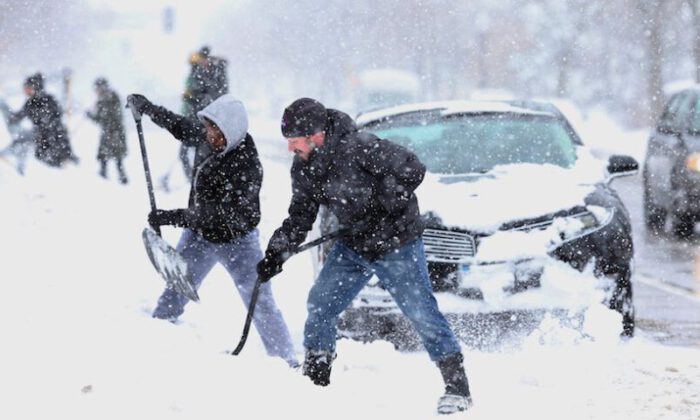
<point>671,172</point>
<point>509,188</point>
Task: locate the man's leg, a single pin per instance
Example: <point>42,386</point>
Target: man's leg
<point>120,169</point>
<point>342,277</point>
<point>200,258</point>
<point>404,273</point>
<point>103,167</point>
<point>20,147</point>
<point>240,259</point>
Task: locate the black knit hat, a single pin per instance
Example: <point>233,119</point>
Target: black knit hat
<point>303,117</point>
<point>35,81</point>
<point>101,82</point>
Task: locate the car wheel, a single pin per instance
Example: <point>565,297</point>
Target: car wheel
<point>654,217</point>
<point>682,225</point>
<point>621,301</point>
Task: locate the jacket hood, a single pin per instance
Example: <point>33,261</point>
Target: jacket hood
<point>338,124</point>
<point>229,114</point>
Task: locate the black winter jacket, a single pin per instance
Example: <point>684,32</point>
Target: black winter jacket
<point>224,198</point>
<point>108,114</point>
<point>52,145</point>
<point>366,182</point>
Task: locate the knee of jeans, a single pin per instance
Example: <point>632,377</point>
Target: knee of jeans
<point>420,314</point>
<point>319,313</point>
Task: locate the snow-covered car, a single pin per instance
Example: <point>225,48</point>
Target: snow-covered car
<point>518,214</point>
<point>671,171</point>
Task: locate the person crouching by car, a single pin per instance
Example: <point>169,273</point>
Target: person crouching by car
<point>368,184</point>
<point>220,222</point>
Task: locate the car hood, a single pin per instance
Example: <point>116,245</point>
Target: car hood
<point>484,202</point>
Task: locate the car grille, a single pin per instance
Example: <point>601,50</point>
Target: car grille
<point>448,246</point>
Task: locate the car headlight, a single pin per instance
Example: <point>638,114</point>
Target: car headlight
<point>588,220</point>
<point>692,162</point>
<point>583,223</point>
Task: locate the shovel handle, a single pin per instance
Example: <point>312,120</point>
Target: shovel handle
<point>144,156</point>
<point>258,284</point>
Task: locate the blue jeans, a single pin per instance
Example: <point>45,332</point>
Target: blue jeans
<point>239,257</point>
<point>404,274</point>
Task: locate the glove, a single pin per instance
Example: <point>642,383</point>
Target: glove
<point>158,218</point>
<point>270,266</point>
<point>139,103</point>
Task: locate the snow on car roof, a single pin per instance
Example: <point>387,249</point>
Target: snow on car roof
<point>391,79</point>
<point>447,108</point>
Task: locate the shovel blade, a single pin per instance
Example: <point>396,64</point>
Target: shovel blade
<point>169,264</point>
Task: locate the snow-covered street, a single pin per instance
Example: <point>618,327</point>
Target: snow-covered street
<point>79,342</point>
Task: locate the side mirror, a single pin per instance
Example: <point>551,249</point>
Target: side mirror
<point>622,165</point>
<point>668,130</point>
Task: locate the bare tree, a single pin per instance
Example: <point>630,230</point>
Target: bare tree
<point>695,10</point>
<point>651,12</point>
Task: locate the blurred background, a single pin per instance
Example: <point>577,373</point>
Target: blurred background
<point>620,55</point>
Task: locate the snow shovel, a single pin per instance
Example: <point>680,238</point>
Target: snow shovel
<point>166,260</point>
<point>258,283</point>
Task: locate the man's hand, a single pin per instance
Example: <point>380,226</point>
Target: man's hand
<point>270,266</point>
<point>139,103</point>
<point>157,218</point>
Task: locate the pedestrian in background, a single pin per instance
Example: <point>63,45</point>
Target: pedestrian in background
<point>108,115</point>
<point>51,142</point>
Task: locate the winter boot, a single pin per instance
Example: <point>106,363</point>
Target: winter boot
<point>317,366</point>
<point>457,396</point>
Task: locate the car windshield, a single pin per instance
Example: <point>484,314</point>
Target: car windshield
<point>469,143</point>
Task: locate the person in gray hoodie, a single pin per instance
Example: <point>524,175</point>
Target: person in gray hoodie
<point>220,221</point>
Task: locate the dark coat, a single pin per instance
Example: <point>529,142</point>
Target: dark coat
<point>224,198</point>
<point>207,81</point>
<point>52,145</point>
<point>366,182</point>
<point>108,114</point>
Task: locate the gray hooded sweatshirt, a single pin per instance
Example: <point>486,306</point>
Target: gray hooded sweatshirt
<point>229,114</point>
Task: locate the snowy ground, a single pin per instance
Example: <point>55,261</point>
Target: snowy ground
<point>79,343</point>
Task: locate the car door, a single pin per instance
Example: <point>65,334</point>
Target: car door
<point>665,148</point>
